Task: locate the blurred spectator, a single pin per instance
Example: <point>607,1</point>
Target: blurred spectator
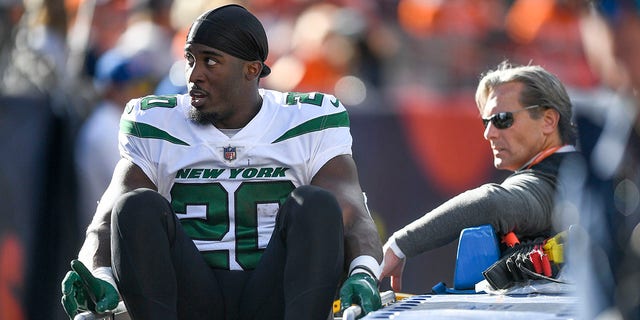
<point>319,56</point>
<point>96,26</point>
<point>605,250</point>
<point>174,81</point>
<point>10,14</point>
<point>333,48</point>
<point>149,30</point>
<point>548,32</point>
<point>446,47</point>
<point>131,67</point>
<point>119,77</point>
<point>39,54</point>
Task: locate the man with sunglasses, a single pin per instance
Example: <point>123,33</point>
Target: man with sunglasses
<point>526,114</point>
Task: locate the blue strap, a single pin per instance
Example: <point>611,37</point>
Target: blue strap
<point>441,288</point>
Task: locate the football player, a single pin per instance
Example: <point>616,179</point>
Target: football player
<point>230,201</point>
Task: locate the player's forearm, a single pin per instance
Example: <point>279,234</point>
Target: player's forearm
<point>362,239</point>
<point>360,233</point>
<point>96,249</point>
<point>362,245</point>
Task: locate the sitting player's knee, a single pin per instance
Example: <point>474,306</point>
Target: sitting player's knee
<point>316,203</point>
<point>141,204</point>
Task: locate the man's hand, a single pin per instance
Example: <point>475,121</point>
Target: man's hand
<point>360,289</point>
<point>81,291</point>
<point>392,266</point>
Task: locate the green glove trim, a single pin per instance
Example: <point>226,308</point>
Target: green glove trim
<point>360,289</point>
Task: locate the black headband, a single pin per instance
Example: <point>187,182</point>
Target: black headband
<point>234,30</point>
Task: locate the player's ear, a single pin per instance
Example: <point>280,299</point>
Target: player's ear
<point>253,69</point>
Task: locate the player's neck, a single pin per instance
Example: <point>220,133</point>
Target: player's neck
<point>242,116</point>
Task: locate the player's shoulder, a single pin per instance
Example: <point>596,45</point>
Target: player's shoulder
<point>309,103</point>
<point>155,106</point>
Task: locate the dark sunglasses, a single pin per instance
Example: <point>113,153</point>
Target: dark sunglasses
<point>503,120</point>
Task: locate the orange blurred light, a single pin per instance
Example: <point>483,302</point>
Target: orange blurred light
<point>526,17</point>
<point>417,16</point>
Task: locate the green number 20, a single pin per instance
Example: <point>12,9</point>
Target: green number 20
<point>211,199</point>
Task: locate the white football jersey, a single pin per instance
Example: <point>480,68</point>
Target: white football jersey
<point>226,191</point>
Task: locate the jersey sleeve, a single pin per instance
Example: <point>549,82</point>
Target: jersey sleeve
<point>335,137</point>
<point>132,147</point>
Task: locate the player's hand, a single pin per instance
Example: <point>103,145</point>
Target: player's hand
<point>392,266</point>
<point>81,291</point>
<point>360,289</point>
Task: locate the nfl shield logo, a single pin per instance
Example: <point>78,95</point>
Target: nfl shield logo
<point>229,153</point>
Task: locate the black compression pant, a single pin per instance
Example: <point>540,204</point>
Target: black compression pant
<point>162,275</point>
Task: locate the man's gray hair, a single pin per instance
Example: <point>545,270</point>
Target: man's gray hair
<point>540,88</point>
